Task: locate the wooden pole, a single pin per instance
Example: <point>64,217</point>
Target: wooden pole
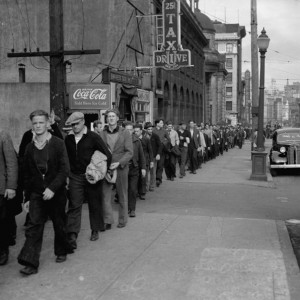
<point>57,67</point>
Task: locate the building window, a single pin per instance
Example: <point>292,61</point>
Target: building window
<point>228,91</point>
<point>229,77</point>
<point>229,63</point>
<point>229,48</point>
<point>229,105</point>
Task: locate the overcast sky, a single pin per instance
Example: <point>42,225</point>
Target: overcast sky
<point>282,22</point>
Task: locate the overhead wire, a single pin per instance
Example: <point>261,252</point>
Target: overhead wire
<point>10,24</point>
<point>83,32</point>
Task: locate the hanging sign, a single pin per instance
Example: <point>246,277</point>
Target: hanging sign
<point>171,56</point>
<point>89,96</point>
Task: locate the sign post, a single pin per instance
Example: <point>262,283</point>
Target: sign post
<point>171,56</point>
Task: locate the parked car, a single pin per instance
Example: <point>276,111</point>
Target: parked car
<point>285,151</point>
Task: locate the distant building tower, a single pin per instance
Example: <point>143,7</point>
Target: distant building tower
<point>229,42</point>
<point>248,97</point>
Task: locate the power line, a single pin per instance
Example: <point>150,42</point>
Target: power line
<point>276,51</point>
<point>28,29</point>
<point>10,24</point>
<point>83,31</point>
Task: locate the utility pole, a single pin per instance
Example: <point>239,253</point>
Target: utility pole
<point>57,64</point>
<point>57,67</point>
<point>254,67</point>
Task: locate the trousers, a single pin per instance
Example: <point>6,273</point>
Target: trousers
<point>80,189</point>
<point>39,211</point>
<point>133,178</point>
<point>182,160</point>
<point>153,175</point>
<point>193,154</point>
<point>170,165</point>
<point>122,191</point>
<point>160,167</point>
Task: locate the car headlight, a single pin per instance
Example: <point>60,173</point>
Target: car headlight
<point>282,149</point>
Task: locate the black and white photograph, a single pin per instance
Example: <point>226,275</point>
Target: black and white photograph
<point>149,150</point>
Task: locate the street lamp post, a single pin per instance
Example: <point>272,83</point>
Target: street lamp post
<point>259,166</point>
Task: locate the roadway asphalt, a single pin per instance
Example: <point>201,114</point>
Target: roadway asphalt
<point>207,236</point>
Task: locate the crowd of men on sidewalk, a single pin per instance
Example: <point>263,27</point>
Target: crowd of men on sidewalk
<point>56,173</point>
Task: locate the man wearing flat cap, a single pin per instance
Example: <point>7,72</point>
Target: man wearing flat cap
<point>119,142</point>
<point>81,145</point>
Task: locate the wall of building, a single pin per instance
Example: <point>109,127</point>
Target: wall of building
<point>108,26</point>
<point>17,101</point>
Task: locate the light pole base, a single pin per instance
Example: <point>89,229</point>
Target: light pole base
<point>259,166</point>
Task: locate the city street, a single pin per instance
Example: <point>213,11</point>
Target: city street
<point>214,235</point>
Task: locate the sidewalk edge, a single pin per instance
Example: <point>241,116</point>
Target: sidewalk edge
<point>290,261</point>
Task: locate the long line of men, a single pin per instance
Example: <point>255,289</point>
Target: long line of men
<point>50,173</point>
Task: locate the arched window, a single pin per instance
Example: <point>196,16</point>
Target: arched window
<point>182,105</point>
<point>188,106</point>
<point>175,105</point>
<point>166,101</point>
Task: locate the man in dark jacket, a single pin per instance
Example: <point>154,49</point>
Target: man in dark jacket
<point>194,147</point>
<point>26,139</point>
<point>143,185</point>
<point>45,169</point>
<point>8,186</point>
<point>137,165</point>
<point>81,145</point>
<point>184,140</point>
<point>156,146</point>
<point>166,145</point>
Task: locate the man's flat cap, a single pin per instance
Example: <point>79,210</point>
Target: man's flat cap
<point>113,110</point>
<point>75,117</point>
<point>148,125</point>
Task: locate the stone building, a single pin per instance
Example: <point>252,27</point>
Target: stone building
<point>229,42</point>
<point>215,73</point>
<point>126,33</point>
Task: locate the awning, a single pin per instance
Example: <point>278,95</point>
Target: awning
<point>129,90</point>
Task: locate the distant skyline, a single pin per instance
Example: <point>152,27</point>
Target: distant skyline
<point>282,23</point>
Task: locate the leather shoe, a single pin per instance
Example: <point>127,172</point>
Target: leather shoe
<point>94,236</point>
<point>120,225</point>
<point>132,214</point>
<point>28,270</point>
<point>61,258</point>
<point>180,176</point>
<point>3,258</point>
<point>107,226</point>
<point>194,172</point>
<point>151,189</point>
<point>142,197</point>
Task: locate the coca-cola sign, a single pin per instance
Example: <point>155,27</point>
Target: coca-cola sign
<point>89,96</point>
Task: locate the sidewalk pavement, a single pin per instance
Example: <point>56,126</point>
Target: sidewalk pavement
<point>168,256</point>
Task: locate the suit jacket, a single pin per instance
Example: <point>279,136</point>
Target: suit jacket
<point>8,163</point>
<point>57,168</point>
<point>156,144</point>
<point>195,142</point>
<point>138,158</point>
<point>147,149</point>
<point>123,149</point>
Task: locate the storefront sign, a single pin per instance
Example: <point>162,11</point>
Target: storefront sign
<point>143,95</point>
<point>171,56</point>
<point>89,96</point>
<point>109,75</point>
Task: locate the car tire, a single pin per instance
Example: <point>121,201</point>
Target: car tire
<point>273,172</point>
